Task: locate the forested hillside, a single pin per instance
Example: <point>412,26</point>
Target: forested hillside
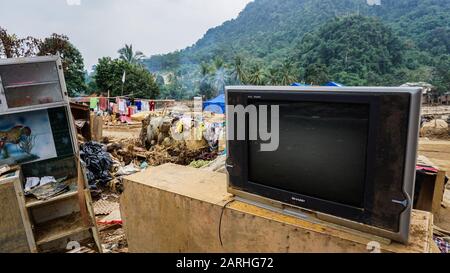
<point>275,41</point>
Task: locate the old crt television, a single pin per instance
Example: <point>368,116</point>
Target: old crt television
<point>346,154</point>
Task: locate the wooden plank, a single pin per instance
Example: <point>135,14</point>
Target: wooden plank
<point>59,228</point>
<point>35,202</point>
<point>183,212</point>
<point>25,215</point>
<point>82,195</point>
<point>13,238</point>
<point>94,229</point>
<point>438,193</point>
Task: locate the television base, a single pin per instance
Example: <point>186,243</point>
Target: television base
<point>314,218</point>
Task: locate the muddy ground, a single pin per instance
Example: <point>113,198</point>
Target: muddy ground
<point>438,151</point>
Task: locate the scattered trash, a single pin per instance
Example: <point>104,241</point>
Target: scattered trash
<point>114,218</point>
<point>199,163</point>
<point>31,183</point>
<point>4,169</point>
<point>144,165</point>
<point>47,179</point>
<point>98,163</point>
<point>51,189</point>
<point>127,170</point>
<point>218,165</point>
<point>436,123</point>
<point>444,245</point>
<point>104,207</point>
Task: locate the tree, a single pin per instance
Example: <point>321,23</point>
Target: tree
<point>72,61</point>
<point>13,47</point>
<point>257,75</point>
<point>128,55</point>
<point>273,77</point>
<point>139,82</point>
<point>441,74</point>
<point>287,73</point>
<point>238,74</point>
<point>351,47</point>
<point>205,86</point>
<point>220,76</point>
<point>316,74</point>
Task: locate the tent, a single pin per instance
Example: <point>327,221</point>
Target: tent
<point>216,105</point>
<point>334,84</point>
<point>299,84</point>
<point>327,84</point>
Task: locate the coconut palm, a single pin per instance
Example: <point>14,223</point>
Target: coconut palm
<point>205,81</point>
<point>239,75</point>
<point>257,75</point>
<point>128,55</point>
<point>273,76</point>
<point>287,76</point>
<point>220,76</point>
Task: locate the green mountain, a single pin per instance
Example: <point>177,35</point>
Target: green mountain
<point>358,43</point>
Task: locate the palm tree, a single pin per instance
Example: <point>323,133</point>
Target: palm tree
<point>128,55</point>
<point>205,70</point>
<point>220,76</point>
<point>287,73</point>
<point>205,81</point>
<point>273,76</point>
<point>238,73</point>
<point>218,63</point>
<point>257,75</point>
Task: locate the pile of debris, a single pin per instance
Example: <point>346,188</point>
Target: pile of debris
<point>435,129</point>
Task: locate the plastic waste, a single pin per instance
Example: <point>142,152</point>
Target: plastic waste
<point>127,170</point>
<point>98,162</point>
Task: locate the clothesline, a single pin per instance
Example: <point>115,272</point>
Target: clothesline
<point>87,99</point>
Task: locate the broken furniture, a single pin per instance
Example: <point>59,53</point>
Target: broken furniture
<point>173,208</point>
<point>96,123</point>
<point>38,140</point>
<point>82,116</point>
<point>430,186</point>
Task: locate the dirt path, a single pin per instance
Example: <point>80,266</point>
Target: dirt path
<point>122,133</point>
<point>438,151</point>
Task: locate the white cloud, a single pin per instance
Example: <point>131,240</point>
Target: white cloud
<point>100,27</point>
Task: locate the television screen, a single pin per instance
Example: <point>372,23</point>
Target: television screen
<point>314,137</point>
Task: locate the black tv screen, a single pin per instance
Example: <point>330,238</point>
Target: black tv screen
<point>345,154</point>
<point>314,137</point>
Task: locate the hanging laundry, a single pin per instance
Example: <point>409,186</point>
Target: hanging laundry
<point>145,106</point>
<point>139,105</point>
<point>131,110</point>
<point>103,104</point>
<point>122,106</point>
<point>115,108</point>
<point>152,105</point>
<point>93,103</point>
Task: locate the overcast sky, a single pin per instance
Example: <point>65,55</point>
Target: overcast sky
<point>100,27</point>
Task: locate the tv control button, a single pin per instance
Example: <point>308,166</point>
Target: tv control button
<point>404,203</point>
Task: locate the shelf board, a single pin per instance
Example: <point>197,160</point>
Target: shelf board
<point>59,228</point>
<point>33,202</point>
<point>30,84</point>
<point>33,108</point>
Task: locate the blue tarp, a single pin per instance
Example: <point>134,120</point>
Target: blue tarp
<point>334,84</point>
<point>299,84</point>
<point>216,105</point>
<point>327,84</point>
